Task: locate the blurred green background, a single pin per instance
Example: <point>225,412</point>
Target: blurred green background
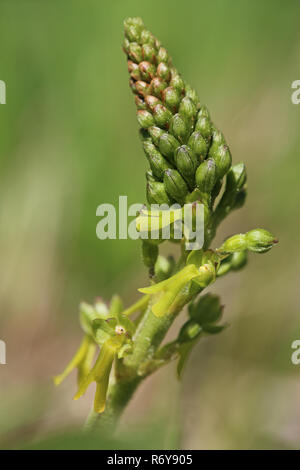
<point>69,142</point>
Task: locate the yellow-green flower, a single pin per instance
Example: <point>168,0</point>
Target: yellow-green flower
<point>164,293</point>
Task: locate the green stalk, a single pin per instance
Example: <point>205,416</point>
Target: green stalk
<point>149,335</point>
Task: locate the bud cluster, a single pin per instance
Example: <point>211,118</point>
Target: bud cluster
<point>184,149</point>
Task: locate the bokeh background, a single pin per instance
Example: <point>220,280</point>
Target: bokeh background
<point>68,142</point>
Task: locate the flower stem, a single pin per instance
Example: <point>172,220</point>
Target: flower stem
<point>149,335</point>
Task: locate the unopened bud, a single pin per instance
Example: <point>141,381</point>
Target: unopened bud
<point>203,111</point>
<point>142,87</point>
<point>238,260</point>
<point>222,158</point>
<point>156,193</point>
<point>148,53</point>
<point>147,70</point>
<point>203,125</point>
<point>207,310</point>
<point>236,177</point>
<point>207,274</point>
<point>186,163</point>
<point>151,101</point>
<point>179,127</point>
<point>157,85</point>
<point>147,38</point>
<point>135,52</point>
<point>191,93</point>
<point>149,253</point>
<point>163,71</point>
<point>171,98</point>
<point>162,55</point>
<point>175,185</point>
<point>134,70</point>
<point>157,162</point>
<point>260,240</point>
<point>240,199</point>
<point>167,145</point>
<point>164,267</point>
<point>199,145</point>
<point>133,29</point>
<point>236,243</point>
<point>139,102</point>
<point>176,81</point>
<point>161,115</point>
<point>216,141</point>
<point>189,331</point>
<point>187,108</point>
<point>155,133</point>
<point>206,175</point>
<point>145,119</point>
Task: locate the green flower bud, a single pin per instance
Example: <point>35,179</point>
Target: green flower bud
<point>216,141</point>
<point>134,70</point>
<point>126,43</point>
<point>203,125</point>
<point>156,193</point>
<point>206,175</point>
<point>235,243</point>
<point>147,38</point>
<point>132,84</point>
<point>157,162</point>
<point>133,29</point>
<point>260,240</point>
<point>189,331</point>
<point>163,71</point>
<point>151,101</point>
<point>179,127</point>
<point>222,158</point>
<point>157,86</point>
<point>238,260</point>
<point>135,52</point>
<point>224,268</point>
<point>187,108</point>
<point>147,70</point>
<point>236,177</point>
<point>203,112</point>
<point>162,55</point>
<point>186,163</point>
<point>145,119</point>
<point>240,199</point>
<point>149,53</point>
<point>175,185</point>
<point>161,115</point>
<point>167,145</point>
<point>199,145</point>
<point>176,81</point>
<point>149,253</point>
<point>207,274</point>
<point>142,87</point>
<point>191,93</point>
<point>139,102</point>
<point>171,98</point>
<point>207,310</point>
<point>164,268</point>
<point>155,133</point>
